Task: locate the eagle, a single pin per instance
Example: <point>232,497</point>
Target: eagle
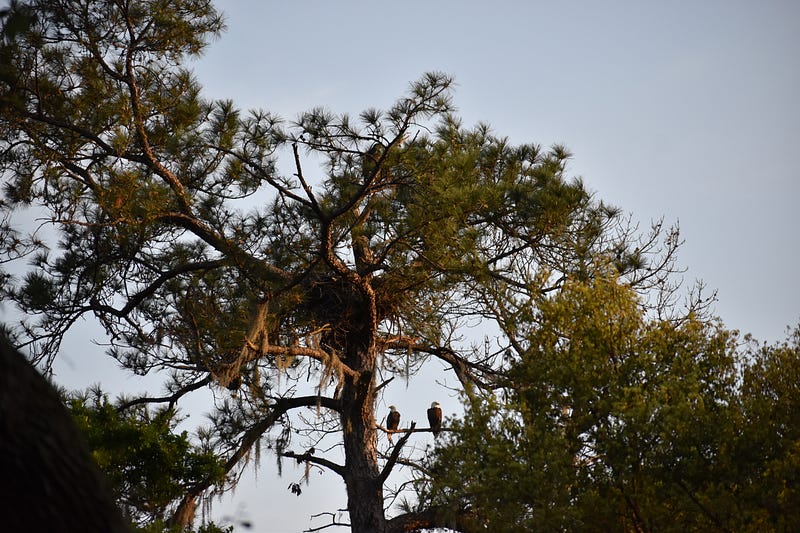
<point>392,420</point>
<point>435,418</point>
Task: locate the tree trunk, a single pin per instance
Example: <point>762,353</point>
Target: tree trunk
<point>183,517</point>
<point>364,489</point>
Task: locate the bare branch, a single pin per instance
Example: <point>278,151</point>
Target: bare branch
<point>382,385</point>
<point>306,187</point>
<point>308,457</point>
<point>409,429</point>
<point>387,468</point>
<point>250,437</point>
<point>333,523</point>
<point>414,465</point>
<point>281,189</point>
<point>468,372</point>
<point>172,399</point>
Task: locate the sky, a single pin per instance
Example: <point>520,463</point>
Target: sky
<point>684,110</point>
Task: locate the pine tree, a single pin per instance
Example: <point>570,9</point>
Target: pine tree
<point>177,230</point>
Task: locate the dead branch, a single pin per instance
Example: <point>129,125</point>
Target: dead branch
<point>321,461</point>
<point>387,468</point>
<point>333,523</point>
<point>172,399</point>
<point>185,510</point>
<point>469,373</point>
<point>411,429</point>
<point>382,385</point>
<point>410,464</point>
<point>312,200</point>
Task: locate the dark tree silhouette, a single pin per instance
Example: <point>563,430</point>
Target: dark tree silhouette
<point>49,480</point>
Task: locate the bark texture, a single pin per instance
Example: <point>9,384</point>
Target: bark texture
<point>361,473</point>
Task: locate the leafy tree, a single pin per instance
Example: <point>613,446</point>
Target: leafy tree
<point>149,465</point>
<point>304,290</point>
<point>617,422</point>
<point>767,450</point>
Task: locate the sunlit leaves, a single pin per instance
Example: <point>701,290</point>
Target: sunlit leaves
<point>624,423</point>
<point>149,464</point>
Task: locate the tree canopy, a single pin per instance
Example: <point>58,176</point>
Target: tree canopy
<point>616,422</point>
<point>150,465</point>
<point>301,265</point>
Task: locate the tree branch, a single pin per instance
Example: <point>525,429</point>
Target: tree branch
<point>138,122</point>
<point>374,174</point>
<point>461,520</point>
<point>281,189</point>
<point>468,372</point>
<point>306,187</point>
<point>713,517</point>
<point>277,410</point>
<point>140,296</point>
<point>412,464</point>
<point>465,369</point>
<point>184,513</point>
<point>83,132</point>
<point>319,355</point>
<point>249,263</point>
<point>308,457</point>
<point>172,399</point>
<point>387,468</point>
<point>382,385</point>
<point>409,430</point>
<point>333,523</point>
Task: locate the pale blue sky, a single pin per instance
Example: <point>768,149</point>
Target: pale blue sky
<point>687,110</point>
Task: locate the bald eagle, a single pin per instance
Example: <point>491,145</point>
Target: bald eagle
<point>435,418</point>
<point>392,420</point>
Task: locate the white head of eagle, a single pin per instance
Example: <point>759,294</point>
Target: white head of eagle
<point>435,418</point>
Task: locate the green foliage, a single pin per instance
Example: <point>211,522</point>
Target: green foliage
<point>149,465</point>
<point>767,452</point>
<point>618,423</point>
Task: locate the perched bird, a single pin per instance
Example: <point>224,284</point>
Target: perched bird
<point>435,418</point>
<point>392,420</point>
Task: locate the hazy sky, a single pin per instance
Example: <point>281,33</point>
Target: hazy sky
<point>685,110</point>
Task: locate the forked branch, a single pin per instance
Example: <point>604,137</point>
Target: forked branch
<point>387,468</point>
